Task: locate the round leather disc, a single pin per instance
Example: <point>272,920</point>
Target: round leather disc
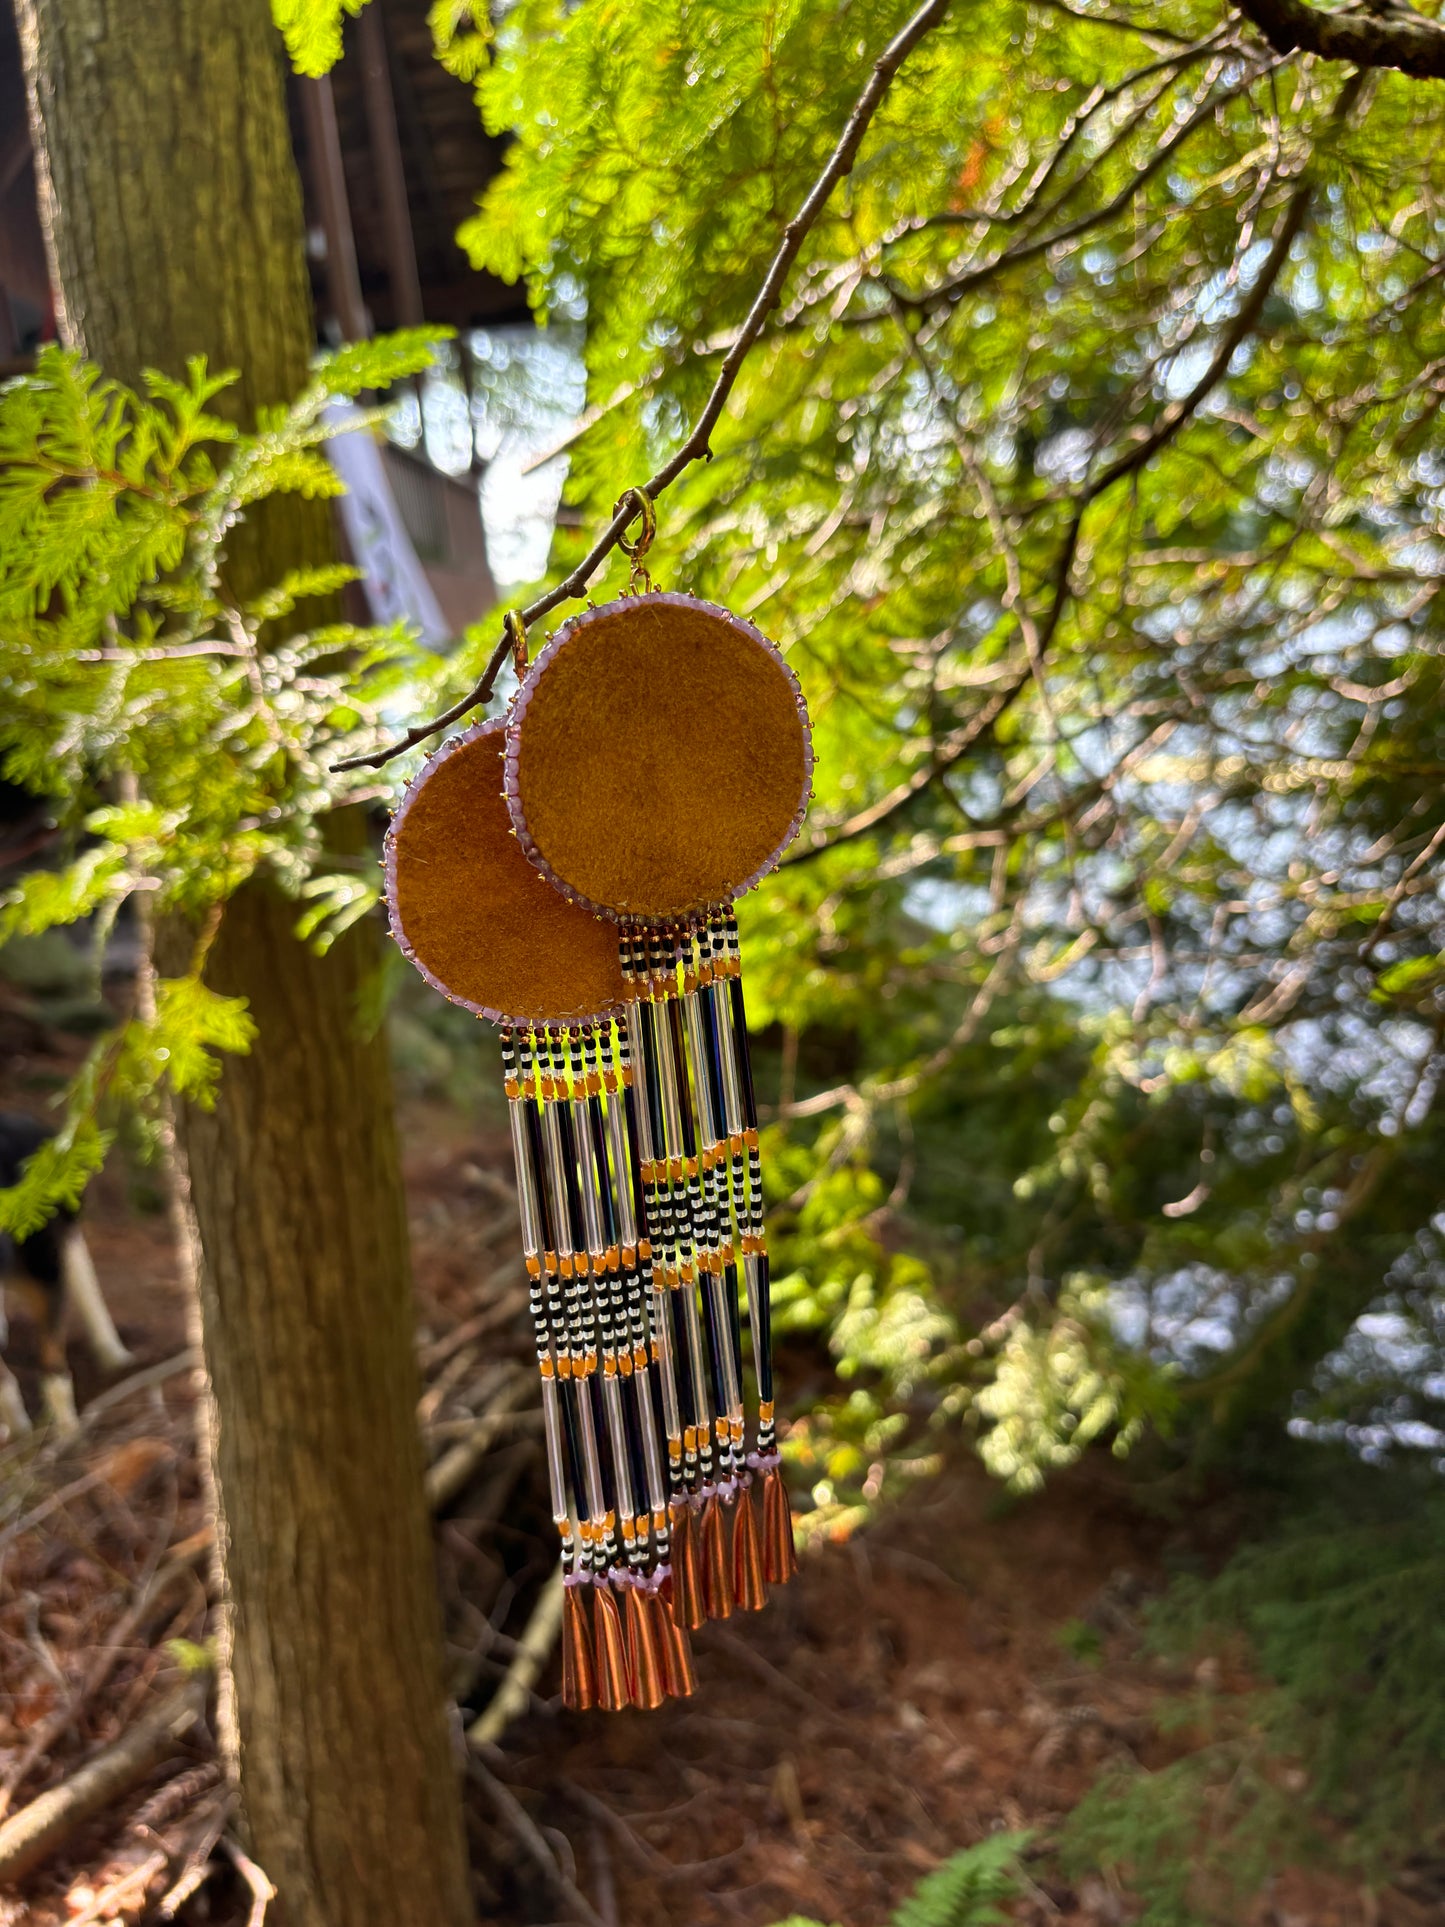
<point>473,915</point>
<point>658,757</point>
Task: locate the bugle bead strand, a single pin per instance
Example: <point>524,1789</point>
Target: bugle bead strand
<point>745,1163</point>
<point>528,1182</point>
<point>541,1197</point>
<point>732,1112</point>
<point>657,1026</point>
<point>651,1307</point>
<point>635,1356</point>
<point>722,1277</point>
<point>589,1311</point>
<point>552,1091</point>
<point>643,1112</point>
<point>635,1366</point>
<point>706,1260</point>
<point>602,1287</point>
<point>664,1204</point>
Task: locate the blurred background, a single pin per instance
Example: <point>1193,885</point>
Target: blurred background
<point>1087,470</point>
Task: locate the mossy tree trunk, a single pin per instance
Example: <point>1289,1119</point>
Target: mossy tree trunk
<point>173,212</point>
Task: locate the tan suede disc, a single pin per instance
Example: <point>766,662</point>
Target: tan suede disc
<point>658,757</point>
<point>473,915</point>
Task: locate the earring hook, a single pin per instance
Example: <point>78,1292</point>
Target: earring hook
<point>639,581</point>
<point>642,505</point>
<point>517,635</point>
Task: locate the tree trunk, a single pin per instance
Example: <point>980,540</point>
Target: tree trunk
<point>173,212</point>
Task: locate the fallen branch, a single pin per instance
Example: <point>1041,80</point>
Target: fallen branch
<point>515,1815</point>
<point>56,1502</point>
<point>31,1835</point>
<point>487,1320</point>
<point>124,1895</point>
<point>176,1572</point>
<point>514,1695</point>
<point>641,1851</point>
<point>456,1465</point>
<point>198,1862</point>
<point>262,1891</point>
<point>188,1360</point>
<point>698,446</point>
<point>778,1681</point>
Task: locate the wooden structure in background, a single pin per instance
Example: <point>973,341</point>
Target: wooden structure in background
<point>392,154</point>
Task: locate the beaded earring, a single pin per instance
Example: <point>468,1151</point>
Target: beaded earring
<point>655,763</point>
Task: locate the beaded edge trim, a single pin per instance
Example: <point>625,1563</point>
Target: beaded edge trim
<point>511,783</point>
<point>493,726</point>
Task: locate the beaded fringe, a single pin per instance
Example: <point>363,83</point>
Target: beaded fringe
<point>640,1187</point>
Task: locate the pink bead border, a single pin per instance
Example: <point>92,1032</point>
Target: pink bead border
<point>517,716</point>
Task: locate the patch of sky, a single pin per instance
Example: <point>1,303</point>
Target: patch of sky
<point>1063,460</point>
<point>1186,1317</point>
<point>529,389</point>
<point>945,906</point>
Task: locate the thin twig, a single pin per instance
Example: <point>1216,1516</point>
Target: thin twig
<point>778,1682</point>
<point>642,1851</point>
<point>435,1355</point>
<point>457,1464</point>
<point>530,1837</point>
<point>178,1570</point>
<point>698,446</point>
<point>120,1897</point>
<point>514,1695</point>
<point>198,1863</point>
<point>189,1360</point>
<point>262,1892</point>
<point>30,1835</point>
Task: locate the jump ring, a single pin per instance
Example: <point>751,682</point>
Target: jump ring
<point>643,508</point>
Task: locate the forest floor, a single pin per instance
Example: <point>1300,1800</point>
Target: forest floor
<point>963,1665</point>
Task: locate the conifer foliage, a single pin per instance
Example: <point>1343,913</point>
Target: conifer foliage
<point>185,737</point>
<point>1090,475</point>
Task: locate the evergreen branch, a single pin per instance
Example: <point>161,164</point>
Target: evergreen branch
<point>1040,636</point>
<point>1088,17</point>
<point>698,446</point>
<point>951,751</point>
<point>947,293</point>
<point>1384,34</point>
<point>1232,337</point>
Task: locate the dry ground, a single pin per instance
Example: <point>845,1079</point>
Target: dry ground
<point>914,1690</point>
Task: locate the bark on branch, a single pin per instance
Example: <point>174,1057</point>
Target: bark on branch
<point>698,446</point>
<point>37,1830</point>
<point>1383,34</point>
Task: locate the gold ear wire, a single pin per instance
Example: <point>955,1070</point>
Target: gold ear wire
<point>639,581</point>
<point>642,506</point>
<point>517,634</point>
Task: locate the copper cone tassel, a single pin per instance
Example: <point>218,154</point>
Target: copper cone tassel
<point>579,1675</point>
<point>717,1584</point>
<point>780,1560</point>
<point>748,1588</point>
<point>687,1606</point>
<point>613,1691</point>
<point>644,1662</point>
<point>677,1673</point>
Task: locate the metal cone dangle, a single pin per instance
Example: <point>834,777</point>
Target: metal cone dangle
<point>655,763</point>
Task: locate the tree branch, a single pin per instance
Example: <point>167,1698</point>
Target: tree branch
<point>1384,35</point>
<point>1231,338</point>
<point>952,750</point>
<point>971,279</point>
<point>698,447</point>
<point>1040,637</point>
